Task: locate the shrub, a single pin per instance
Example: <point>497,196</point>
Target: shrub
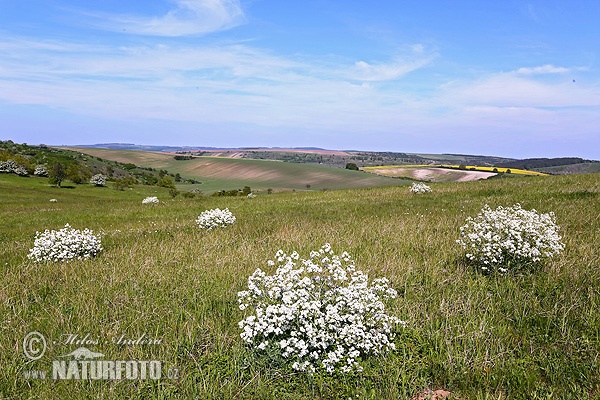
<point>8,166</point>
<point>166,182</point>
<point>216,218</point>
<point>419,188</point>
<point>78,174</point>
<point>98,180</point>
<point>509,238</point>
<point>188,195</point>
<point>318,314</point>
<point>150,200</point>
<point>64,244</point>
<point>21,171</point>
<point>40,170</point>
<point>173,192</point>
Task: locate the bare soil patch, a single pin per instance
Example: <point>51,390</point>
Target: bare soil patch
<point>434,174</point>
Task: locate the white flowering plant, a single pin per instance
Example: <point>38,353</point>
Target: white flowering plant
<point>419,188</point>
<point>8,166</point>
<point>216,218</point>
<point>319,313</point>
<point>65,244</point>
<point>510,238</point>
<point>150,200</point>
<point>40,170</point>
<point>98,180</point>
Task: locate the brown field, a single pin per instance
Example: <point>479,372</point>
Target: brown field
<point>430,174</point>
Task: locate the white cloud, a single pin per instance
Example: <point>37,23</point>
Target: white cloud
<point>544,69</point>
<point>189,17</point>
<point>399,66</point>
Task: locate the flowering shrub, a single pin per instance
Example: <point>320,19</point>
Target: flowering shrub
<point>419,188</point>
<point>21,171</point>
<point>98,180</point>
<point>11,167</point>
<point>65,244</point>
<point>509,238</point>
<point>150,200</point>
<point>8,166</point>
<point>40,170</point>
<point>318,313</point>
<point>216,218</point>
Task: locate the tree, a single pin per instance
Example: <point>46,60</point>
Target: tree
<point>352,166</point>
<point>57,173</point>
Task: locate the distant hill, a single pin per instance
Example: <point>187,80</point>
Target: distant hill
<point>561,165</point>
<point>227,173</point>
<point>534,163</point>
<point>340,158</point>
<point>313,155</point>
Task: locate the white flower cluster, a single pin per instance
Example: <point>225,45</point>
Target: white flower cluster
<point>216,218</point>
<point>40,170</point>
<point>9,166</point>
<point>65,244</point>
<point>419,188</point>
<point>150,200</point>
<point>98,180</point>
<point>319,313</point>
<point>510,237</point>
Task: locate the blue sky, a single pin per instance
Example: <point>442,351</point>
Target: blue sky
<point>509,78</point>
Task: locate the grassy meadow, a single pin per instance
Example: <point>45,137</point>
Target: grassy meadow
<point>531,336</point>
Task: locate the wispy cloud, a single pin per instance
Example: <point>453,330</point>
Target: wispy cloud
<point>189,17</point>
<point>544,69</point>
<point>394,69</point>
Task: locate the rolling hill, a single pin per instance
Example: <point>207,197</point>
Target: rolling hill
<point>224,173</point>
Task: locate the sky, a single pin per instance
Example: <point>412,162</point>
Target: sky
<point>507,78</point>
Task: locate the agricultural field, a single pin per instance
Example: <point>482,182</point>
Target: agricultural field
<point>496,170</point>
<point>428,173</point>
<point>225,173</point>
<point>162,289</point>
<point>445,172</point>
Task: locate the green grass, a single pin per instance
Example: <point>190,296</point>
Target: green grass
<point>533,336</point>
